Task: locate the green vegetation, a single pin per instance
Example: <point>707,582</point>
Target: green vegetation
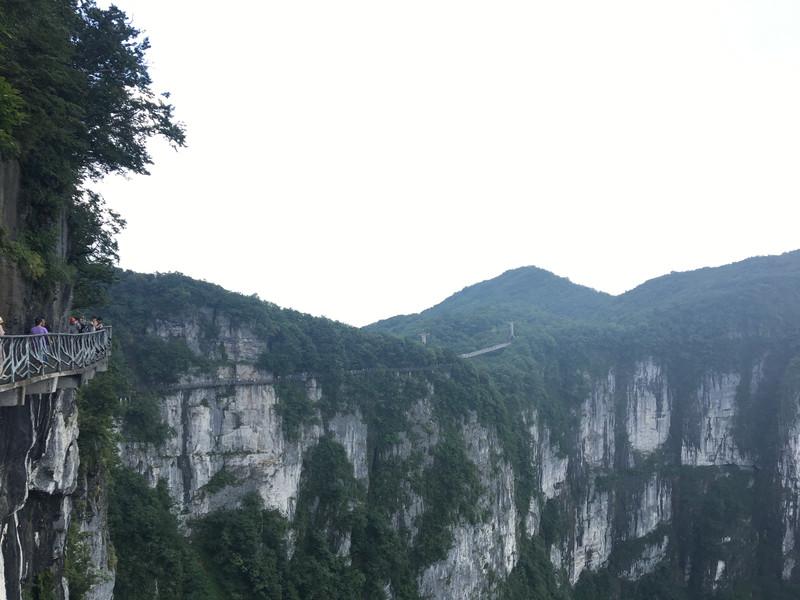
<point>220,480</point>
<point>294,406</point>
<point>533,578</point>
<point>450,490</point>
<point>548,371</point>
<point>78,568</point>
<point>76,102</point>
<point>244,553</point>
<point>154,559</point>
<point>42,587</point>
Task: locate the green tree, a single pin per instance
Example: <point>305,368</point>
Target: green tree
<point>76,103</point>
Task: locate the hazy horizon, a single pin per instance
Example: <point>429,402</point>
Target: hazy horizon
<point>471,284</point>
<point>360,160</point>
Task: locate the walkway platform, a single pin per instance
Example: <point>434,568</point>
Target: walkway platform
<point>43,364</point>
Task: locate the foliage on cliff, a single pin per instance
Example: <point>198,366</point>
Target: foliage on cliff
<point>754,297</point>
<point>546,372</point>
<point>291,342</point>
<point>243,553</point>
<point>76,103</point>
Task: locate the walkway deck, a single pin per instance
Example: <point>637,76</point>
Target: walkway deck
<point>42,364</point>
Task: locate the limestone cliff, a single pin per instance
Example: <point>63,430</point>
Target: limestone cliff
<point>39,471</point>
<point>625,460</point>
<point>613,484</point>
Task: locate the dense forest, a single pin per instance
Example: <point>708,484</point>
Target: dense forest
<point>544,368</point>
<point>76,103</point>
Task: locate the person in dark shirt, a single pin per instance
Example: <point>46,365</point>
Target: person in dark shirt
<point>74,326</point>
<point>86,326</point>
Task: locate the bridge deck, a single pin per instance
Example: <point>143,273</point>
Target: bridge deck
<point>41,364</point>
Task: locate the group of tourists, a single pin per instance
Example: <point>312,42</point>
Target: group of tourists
<point>81,325</point>
<point>74,325</point>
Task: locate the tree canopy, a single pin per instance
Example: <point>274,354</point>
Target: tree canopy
<point>76,103</point>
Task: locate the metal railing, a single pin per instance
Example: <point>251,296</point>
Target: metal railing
<point>24,357</point>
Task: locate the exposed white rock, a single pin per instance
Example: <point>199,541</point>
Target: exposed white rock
<point>788,546</point>
<point>534,518</point>
<point>557,558</point>
<point>485,547</point>
<point>597,424</point>
<point>718,573</point>
<point>418,442</point>
<point>717,446</point>
<point>241,345</point>
<point>55,472</point>
<point>99,544</point>
<point>649,408</point>
<point>593,534</point>
<point>351,432</point>
<point>653,509</point>
<point>789,470</point>
<point>552,466</point>
<point>648,560</point>
<point>239,431</point>
<point>343,547</point>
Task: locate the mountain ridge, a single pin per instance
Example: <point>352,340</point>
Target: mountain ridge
<point>744,290</point>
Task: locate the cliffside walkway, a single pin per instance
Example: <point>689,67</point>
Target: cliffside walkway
<point>273,379</point>
<point>42,364</point>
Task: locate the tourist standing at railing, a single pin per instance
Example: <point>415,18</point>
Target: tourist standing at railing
<point>40,341</point>
<point>74,326</point>
<point>39,327</point>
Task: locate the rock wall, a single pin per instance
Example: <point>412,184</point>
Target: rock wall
<point>716,443</point>
<point>597,424</point>
<point>613,478</point>
<point>487,550</point>
<point>649,408</point>
<point>13,289</point>
<point>38,466</point>
<point>233,434</point>
<point>789,477</point>
<point>20,301</point>
<point>231,440</point>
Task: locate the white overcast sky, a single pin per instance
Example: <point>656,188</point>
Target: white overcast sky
<point>363,159</point>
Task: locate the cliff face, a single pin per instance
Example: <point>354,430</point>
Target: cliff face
<point>623,492</point>
<point>13,288</point>
<point>39,469</point>
<point>230,440</point>
<point>39,458</point>
<point>20,300</point>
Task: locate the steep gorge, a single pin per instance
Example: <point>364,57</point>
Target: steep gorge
<point>620,462</point>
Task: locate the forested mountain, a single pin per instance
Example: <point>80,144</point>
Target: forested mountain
<point>761,292</point>
<point>640,446</point>
<point>632,447</point>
